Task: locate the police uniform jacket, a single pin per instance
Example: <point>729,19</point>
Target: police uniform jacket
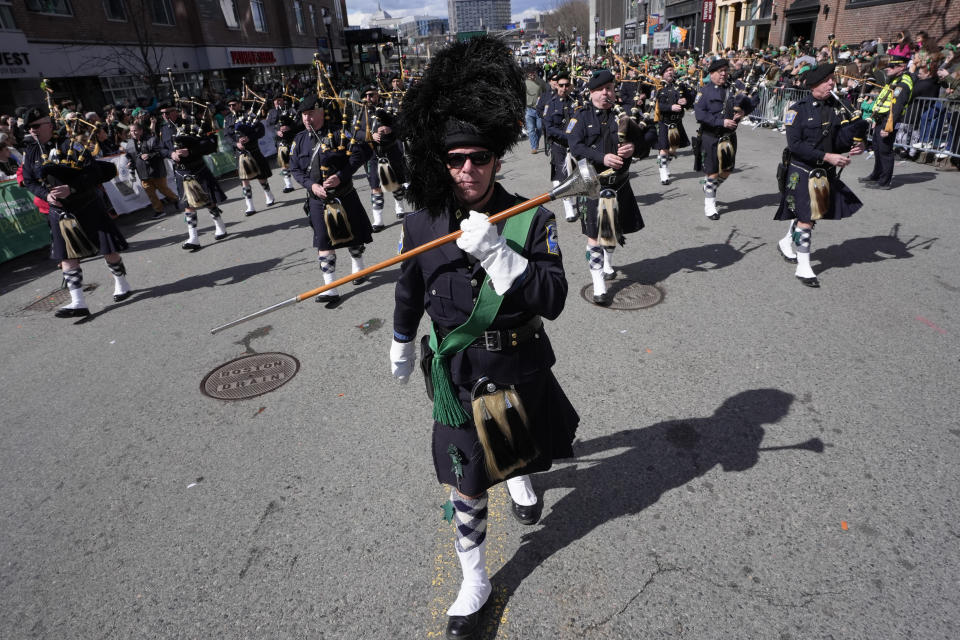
<point>592,133</point>
<point>154,166</point>
<point>310,164</point>
<point>193,166</point>
<point>86,201</point>
<point>232,131</point>
<point>365,125</point>
<point>713,106</point>
<point>445,283</point>
<point>814,129</point>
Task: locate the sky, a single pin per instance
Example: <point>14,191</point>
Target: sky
<point>358,11</point>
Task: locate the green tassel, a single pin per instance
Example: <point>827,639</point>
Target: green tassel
<point>446,405</point>
<point>448,511</point>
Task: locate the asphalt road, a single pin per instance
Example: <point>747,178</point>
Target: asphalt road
<point>701,504</point>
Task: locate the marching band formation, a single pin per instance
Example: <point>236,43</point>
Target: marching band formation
<point>435,147</point>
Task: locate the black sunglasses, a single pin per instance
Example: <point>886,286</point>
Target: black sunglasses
<point>477,158</point>
<point>563,84</point>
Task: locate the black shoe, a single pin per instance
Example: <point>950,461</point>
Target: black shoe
<point>221,236</point>
<point>249,213</point>
<point>400,216</point>
<point>715,216</point>
<point>377,228</point>
<point>64,312</point>
<point>785,256</point>
<point>813,283</point>
<point>287,189</point>
<point>603,300</point>
<point>359,280</point>
<point>191,246</point>
<point>464,627</point>
<point>609,276</point>
<point>664,182</point>
<point>159,214</point>
<point>573,219</point>
<point>327,298</point>
<point>881,187</point>
<point>527,514</point>
<point>866,179</point>
<point>120,297</point>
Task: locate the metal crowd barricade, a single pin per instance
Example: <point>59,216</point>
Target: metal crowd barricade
<point>931,125</point>
<point>773,104</point>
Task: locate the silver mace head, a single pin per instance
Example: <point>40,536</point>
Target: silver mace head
<point>582,183</point>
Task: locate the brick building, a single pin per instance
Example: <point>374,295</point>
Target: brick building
<point>100,51</point>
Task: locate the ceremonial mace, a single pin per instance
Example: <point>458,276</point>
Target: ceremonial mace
<point>583,183</point>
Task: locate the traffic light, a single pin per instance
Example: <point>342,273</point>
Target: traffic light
<point>521,33</point>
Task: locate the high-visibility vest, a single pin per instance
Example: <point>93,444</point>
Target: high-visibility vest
<point>886,98</point>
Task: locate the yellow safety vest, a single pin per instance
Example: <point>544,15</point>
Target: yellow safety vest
<point>886,98</point>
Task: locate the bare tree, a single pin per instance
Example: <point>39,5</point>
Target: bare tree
<point>567,15</point>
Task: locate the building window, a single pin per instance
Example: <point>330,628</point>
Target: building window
<point>313,18</point>
<point>115,10</point>
<point>259,17</point>
<point>162,12</point>
<point>230,13</point>
<point>7,22</point>
<point>298,13</point>
<point>53,7</point>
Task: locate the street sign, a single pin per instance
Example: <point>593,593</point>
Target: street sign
<point>661,40</point>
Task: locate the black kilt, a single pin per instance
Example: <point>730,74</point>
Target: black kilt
<point>96,224</point>
<point>558,156</point>
<point>708,150</point>
<point>663,141</point>
<point>206,179</point>
<point>795,200</point>
<point>263,167</point>
<point>629,219</point>
<point>395,154</point>
<point>553,425</point>
<point>356,216</point>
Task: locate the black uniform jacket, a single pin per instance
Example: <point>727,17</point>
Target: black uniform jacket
<point>446,281</point>
<point>715,105</point>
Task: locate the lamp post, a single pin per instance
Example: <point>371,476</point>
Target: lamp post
<point>596,35</point>
<point>327,20</point>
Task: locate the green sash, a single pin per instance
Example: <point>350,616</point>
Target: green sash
<point>446,405</point>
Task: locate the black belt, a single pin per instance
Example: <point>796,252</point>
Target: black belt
<point>501,339</point>
<point>611,180</point>
<point>559,141</point>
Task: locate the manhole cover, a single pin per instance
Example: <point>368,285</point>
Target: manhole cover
<point>627,296</point>
<point>249,376</point>
<point>55,299</point>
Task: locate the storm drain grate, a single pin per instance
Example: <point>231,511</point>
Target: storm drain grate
<point>250,376</point>
<point>55,299</point>
<point>627,296</point>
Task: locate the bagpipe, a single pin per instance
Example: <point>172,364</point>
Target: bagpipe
<point>248,126</point>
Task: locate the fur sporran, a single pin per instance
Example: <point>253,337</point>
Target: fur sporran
<point>726,154</point>
<point>247,167</point>
<point>193,191</point>
<point>502,428</point>
<point>818,186</point>
<point>388,177</point>
<point>608,233</point>
<point>337,223</point>
<point>76,240</point>
<point>570,164</point>
<point>283,155</point>
<point>673,138</point>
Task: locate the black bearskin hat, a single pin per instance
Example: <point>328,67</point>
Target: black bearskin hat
<point>472,94</point>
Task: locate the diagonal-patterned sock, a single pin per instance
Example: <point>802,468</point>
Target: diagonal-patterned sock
<point>470,517</point>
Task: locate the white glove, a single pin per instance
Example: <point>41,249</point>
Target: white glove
<point>402,358</point>
<point>481,240</point>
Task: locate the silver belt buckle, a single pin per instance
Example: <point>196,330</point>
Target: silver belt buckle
<point>491,340</point>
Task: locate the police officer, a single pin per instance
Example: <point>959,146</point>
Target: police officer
<point>812,190</point>
<point>319,161</point>
<point>719,110</point>
<point>242,132</point>
<point>559,112</point>
<point>460,122</point>
<point>593,134</point>
<point>285,123</point>
<point>672,102</point>
<point>75,200</point>
<point>889,109</point>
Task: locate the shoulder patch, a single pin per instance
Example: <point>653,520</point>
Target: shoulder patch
<point>553,241</point>
<point>570,124</point>
<point>400,241</point>
<point>790,116</point>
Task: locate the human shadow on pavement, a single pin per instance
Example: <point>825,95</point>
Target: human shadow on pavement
<point>752,203</point>
<point>623,473</point>
<point>912,178</point>
<point>707,257</point>
<point>871,249</point>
